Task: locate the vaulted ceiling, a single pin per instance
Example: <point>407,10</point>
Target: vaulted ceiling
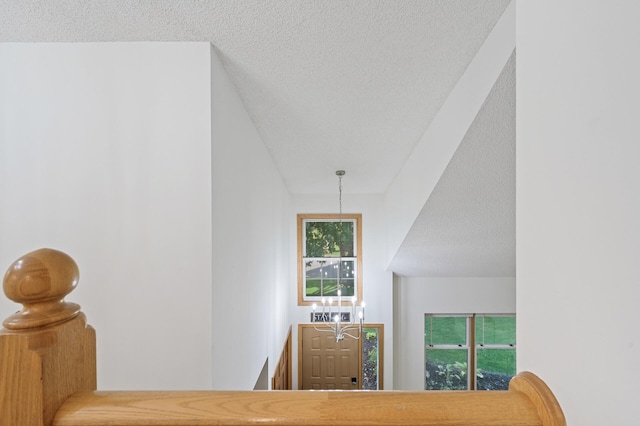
<point>351,85</point>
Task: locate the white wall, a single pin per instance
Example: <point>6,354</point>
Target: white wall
<point>251,282</point>
<point>416,296</point>
<point>578,204</point>
<point>105,154</point>
<point>377,283</point>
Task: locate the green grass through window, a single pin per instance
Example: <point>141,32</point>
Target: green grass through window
<point>500,330</point>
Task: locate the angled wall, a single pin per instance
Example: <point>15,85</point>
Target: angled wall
<point>250,222</point>
<point>448,148</point>
<point>412,187</point>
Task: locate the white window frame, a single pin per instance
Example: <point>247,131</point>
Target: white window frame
<point>466,346</point>
<point>472,345</point>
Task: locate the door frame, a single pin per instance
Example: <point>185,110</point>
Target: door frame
<point>380,328</point>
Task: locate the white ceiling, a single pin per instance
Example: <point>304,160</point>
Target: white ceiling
<point>334,84</point>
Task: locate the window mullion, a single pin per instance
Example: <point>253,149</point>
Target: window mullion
<point>471,335</point>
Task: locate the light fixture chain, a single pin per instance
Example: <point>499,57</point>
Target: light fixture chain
<point>335,323</point>
<point>340,173</point>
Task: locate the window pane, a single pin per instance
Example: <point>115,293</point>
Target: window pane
<point>330,288</point>
<point>445,330</point>
<point>347,287</point>
<point>347,269</point>
<point>446,369</point>
<point>321,277</point>
<point>496,367</point>
<point>370,359</point>
<point>500,330</point>
<point>345,239</point>
<point>327,238</point>
<point>347,275</point>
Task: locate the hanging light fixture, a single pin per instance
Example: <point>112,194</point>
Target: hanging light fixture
<point>341,323</point>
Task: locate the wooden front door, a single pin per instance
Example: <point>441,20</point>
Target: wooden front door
<point>327,364</point>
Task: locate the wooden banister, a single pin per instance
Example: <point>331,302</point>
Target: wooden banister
<point>317,408</point>
<point>47,367</point>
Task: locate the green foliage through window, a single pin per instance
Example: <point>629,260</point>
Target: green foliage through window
<point>370,366</point>
<point>452,344</point>
<point>330,257</point>
<point>329,239</point>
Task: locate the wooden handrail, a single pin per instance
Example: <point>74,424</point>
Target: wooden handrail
<point>317,408</point>
<point>47,370</point>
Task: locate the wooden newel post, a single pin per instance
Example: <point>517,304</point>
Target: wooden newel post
<point>47,350</point>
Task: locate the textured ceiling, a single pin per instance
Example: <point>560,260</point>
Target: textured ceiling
<point>329,84</point>
<point>334,84</point>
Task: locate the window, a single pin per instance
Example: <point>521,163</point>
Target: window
<point>451,364</point>
<point>330,258</point>
<point>372,353</point>
<point>495,355</point>
<point>446,352</point>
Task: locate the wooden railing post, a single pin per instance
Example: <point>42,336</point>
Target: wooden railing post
<point>47,350</point>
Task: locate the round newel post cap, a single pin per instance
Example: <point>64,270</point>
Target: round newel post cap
<point>39,281</point>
